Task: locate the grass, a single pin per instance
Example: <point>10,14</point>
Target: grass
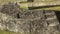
<point>54,8</point>
<point>6,1</point>
<point>7,32</point>
<point>51,8</point>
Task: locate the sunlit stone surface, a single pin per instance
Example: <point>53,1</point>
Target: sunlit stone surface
<point>28,21</point>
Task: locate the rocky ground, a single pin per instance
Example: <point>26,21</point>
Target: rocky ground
<point>15,19</point>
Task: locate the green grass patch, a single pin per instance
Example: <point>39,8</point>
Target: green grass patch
<point>7,32</point>
<point>51,8</point>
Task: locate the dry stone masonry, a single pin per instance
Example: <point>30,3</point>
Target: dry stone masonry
<point>28,21</point>
<point>34,21</point>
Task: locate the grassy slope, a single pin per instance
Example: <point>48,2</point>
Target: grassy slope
<point>7,32</point>
<point>51,8</point>
<point>54,8</point>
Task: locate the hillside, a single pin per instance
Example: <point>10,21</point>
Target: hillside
<point>14,20</point>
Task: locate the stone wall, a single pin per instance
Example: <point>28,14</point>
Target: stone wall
<point>29,21</point>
